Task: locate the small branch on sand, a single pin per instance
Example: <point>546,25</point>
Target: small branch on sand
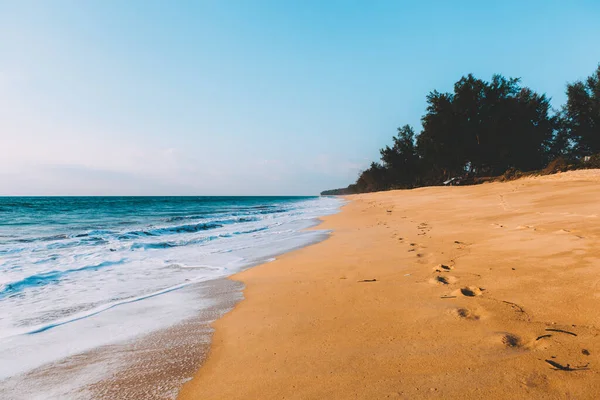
<point>516,306</point>
<point>447,297</point>
<point>561,331</point>
<point>369,280</point>
<point>543,336</point>
<point>566,367</point>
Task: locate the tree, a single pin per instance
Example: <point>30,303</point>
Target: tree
<point>373,179</point>
<point>440,143</point>
<point>485,128</point>
<point>401,160</point>
<point>581,115</point>
<point>560,145</point>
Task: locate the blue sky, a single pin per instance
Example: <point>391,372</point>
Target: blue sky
<point>250,97</point>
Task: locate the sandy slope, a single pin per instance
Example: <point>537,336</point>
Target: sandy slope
<point>523,257</point>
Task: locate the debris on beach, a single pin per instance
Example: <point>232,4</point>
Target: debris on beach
<point>561,331</point>
<point>567,367</point>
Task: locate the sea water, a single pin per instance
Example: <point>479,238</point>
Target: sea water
<point>81,272</point>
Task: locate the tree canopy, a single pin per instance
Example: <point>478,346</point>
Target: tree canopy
<point>484,128</point>
<point>581,115</point>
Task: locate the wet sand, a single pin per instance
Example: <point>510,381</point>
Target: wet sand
<point>448,292</point>
<point>153,366</point>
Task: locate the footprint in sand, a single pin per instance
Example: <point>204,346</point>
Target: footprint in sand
<point>423,228</point>
<point>443,280</point>
<point>471,291</point>
<point>511,340</point>
<point>465,313</point>
<point>522,227</point>
<point>424,258</point>
<point>442,268</point>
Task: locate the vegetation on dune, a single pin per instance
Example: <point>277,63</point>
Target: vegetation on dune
<point>485,129</point>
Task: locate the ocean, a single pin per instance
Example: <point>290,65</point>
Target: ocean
<point>77,273</point>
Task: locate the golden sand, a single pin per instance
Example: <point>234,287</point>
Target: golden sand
<point>489,291</point>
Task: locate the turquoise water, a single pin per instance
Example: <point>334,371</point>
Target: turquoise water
<point>71,266</point>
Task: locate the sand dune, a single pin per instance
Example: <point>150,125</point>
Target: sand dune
<point>489,291</point>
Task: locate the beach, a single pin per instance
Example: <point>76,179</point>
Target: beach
<point>439,292</point>
<point>112,297</point>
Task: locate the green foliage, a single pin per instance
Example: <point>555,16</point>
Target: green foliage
<point>339,192</point>
<point>373,179</point>
<point>401,160</point>
<point>581,115</point>
<point>485,128</point>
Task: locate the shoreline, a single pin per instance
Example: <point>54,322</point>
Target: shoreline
<point>155,364</point>
<point>183,348</point>
<point>412,298</point>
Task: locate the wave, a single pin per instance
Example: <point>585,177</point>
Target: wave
<point>101,237</point>
<point>167,245</point>
<point>188,228</point>
<point>170,230</point>
<point>105,307</point>
<point>96,232</point>
<point>234,212</point>
<point>49,277</point>
<point>91,241</point>
<point>183,218</point>
<point>195,215</point>
<point>43,239</point>
<point>13,250</point>
<point>90,236</point>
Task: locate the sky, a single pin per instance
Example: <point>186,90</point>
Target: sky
<point>251,97</point>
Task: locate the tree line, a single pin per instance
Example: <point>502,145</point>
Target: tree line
<point>484,128</point>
